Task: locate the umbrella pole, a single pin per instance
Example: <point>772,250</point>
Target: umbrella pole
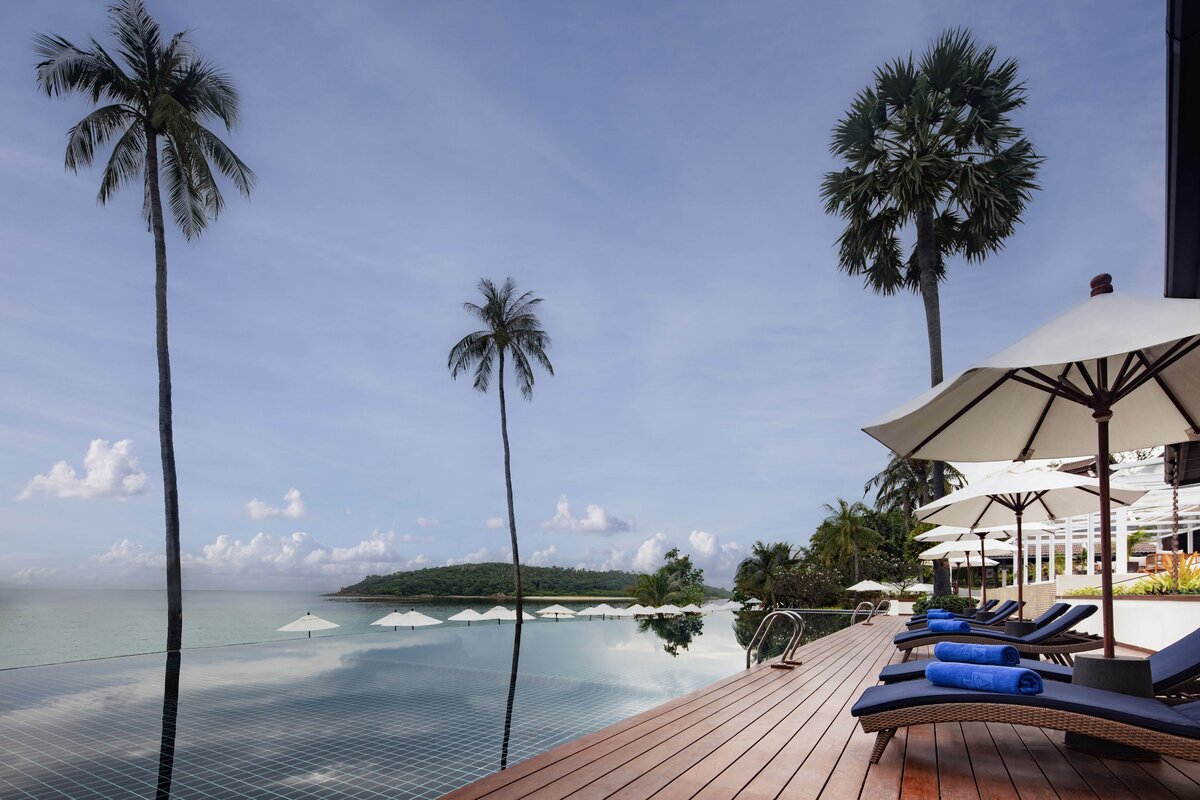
<point>969,595</point>
<point>1020,571</point>
<point>982,573</point>
<point>1102,415</point>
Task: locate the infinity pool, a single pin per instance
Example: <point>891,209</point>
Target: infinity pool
<point>395,714</point>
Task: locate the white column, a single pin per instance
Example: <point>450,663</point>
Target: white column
<point>1122,539</point>
<point>1037,561</point>
<point>1091,545</point>
<point>1053,551</point>
<point>1068,547</point>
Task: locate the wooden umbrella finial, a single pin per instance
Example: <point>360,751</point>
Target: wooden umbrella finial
<point>1102,284</point>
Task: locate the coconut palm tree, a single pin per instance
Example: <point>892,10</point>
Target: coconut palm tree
<point>845,534</point>
<point>759,571</point>
<point>510,329</point>
<point>156,103</point>
<point>906,484</point>
<point>656,588</point>
<point>931,145</point>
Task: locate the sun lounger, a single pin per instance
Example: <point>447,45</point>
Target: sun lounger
<point>1002,613</point>
<point>1174,670</point>
<point>1055,640</point>
<point>988,606</point>
<point>1136,721</point>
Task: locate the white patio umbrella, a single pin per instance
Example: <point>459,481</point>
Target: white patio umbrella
<point>957,533</point>
<point>415,619</point>
<point>498,613</point>
<point>1117,372</point>
<point>692,608</point>
<point>638,609</point>
<point>604,610</point>
<point>869,586</point>
<point>395,619</point>
<point>309,623</point>
<point>734,605</point>
<point>668,610</point>
<point>588,612</point>
<point>556,611</point>
<point>468,616</point>
<point>753,601</point>
<point>966,548</point>
<point>1019,491</point>
<point>921,588</point>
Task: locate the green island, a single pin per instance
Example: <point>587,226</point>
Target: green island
<point>492,579</point>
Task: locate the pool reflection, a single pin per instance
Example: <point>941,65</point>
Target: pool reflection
<point>170,715</point>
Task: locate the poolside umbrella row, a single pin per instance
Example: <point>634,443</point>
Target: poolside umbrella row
<point>1117,372</point>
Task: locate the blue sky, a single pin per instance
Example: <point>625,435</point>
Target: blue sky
<point>651,170</point>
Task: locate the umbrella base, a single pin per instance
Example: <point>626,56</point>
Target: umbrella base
<point>1122,674</point>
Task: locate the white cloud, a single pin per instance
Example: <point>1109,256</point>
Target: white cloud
<point>295,508</point>
<point>494,523</point>
<point>408,538</point>
<point>650,553</point>
<point>30,575</point>
<point>542,558</point>
<point>596,520</point>
<point>426,522</point>
<point>477,557</point>
<point>717,560</point>
<point>605,560</point>
<point>109,472</point>
<point>293,555</point>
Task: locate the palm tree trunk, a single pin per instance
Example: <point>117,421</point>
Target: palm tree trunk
<point>166,435</point>
<point>512,692</point>
<point>512,516</point>
<point>926,263</point>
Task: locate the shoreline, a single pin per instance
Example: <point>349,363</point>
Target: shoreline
<point>573,598</point>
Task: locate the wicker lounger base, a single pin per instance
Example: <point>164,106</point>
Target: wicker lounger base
<point>1057,650</point>
<point>886,723</point>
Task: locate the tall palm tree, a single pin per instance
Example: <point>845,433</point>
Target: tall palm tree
<point>760,570</point>
<point>845,534</point>
<point>906,484</point>
<point>156,105</point>
<point>931,144</point>
<point>656,588</point>
<point>510,328</point>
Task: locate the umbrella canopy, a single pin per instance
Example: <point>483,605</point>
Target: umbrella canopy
<point>667,609</point>
<point>974,562</point>
<point>638,608</point>
<point>869,586</point>
<point>309,623</point>
<point>498,613</point>
<point>753,601</point>
<point>415,619</point>
<point>1117,372</point>
<point>589,611</point>
<point>921,588</point>
<point>974,549</point>
<point>468,616</point>
<point>395,619</point>
<point>692,608</point>
<point>556,611</point>
<point>955,533</point>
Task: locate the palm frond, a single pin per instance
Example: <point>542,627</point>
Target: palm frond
<point>126,163</point>
<point>93,130</point>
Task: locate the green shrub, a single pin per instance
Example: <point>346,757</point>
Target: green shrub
<point>1160,584</point>
<point>949,602</point>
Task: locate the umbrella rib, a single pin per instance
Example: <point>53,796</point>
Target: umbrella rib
<point>981,513</point>
<point>1165,360</point>
<point>1068,391</point>
<point>1124,374</point>
<point>1091,384</point>
<point>1025,451</point>
<point>959,414</point>
<point>1158,379</point>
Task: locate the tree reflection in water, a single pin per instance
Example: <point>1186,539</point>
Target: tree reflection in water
<point>170,712</point>
<point>677,632</point>
<point>512,692</point>
<point>746,622</point>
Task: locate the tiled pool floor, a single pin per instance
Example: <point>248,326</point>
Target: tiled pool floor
<point>372,716</point>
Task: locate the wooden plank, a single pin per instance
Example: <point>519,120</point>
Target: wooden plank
<point>987,765</point>
<point>883,780</point>
<point>1091,769</point>
<point>1168,773</point>
<point>1188,768</point>
<point>956,780</point>
<point>1061,774</point>
<point>1029,781</point>
<point>920,778</point>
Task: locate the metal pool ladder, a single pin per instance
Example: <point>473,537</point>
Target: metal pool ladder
<point>759,640</point>
<point>870,609</point>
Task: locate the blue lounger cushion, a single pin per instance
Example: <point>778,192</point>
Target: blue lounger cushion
<point>1181,720</point>
<point>992,636</point>
<point>984,677</point>
<point>915,670</point>
<point>997,655</point>
<point>948,626</point>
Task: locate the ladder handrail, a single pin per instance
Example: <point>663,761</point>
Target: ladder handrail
<point>764,629</point>
<point>866,606</point>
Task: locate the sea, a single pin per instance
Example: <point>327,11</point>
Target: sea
<point>51,626</point>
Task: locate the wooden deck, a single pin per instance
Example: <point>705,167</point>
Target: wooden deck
<point>769,733</point>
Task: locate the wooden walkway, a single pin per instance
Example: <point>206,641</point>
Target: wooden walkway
<point>769,733</point>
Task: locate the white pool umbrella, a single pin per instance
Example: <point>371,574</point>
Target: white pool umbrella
<point>498,613</point>
<point>668,610</point>
<point>692,608</point>
<point>734,605</point>
<point>415,619</point>
<point>309,623</point>
<point>587,612</point>
<point>468,616</point>
<point>556,611</point>
<point>990,547</point>
<point>637,609</point>
<point>869,586</point>
<point>395,619</point>
<point>921,588</point>
<point>754,601</point>
<point>1117,372</point>
<point>957,533</point>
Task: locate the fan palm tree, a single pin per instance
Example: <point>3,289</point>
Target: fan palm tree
<point>155,105</point>
<point>759,571</point>
<point>510,329</point>
<point>845,534</point>
<point>930,144</point>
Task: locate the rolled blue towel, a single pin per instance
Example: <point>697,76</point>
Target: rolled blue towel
<point>984,678</point>
<point>949,626</point>
<point>999,655</point>
<point>939,613</point>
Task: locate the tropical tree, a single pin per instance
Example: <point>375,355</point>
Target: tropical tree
<point>511,329</point>
<point>759,571</point>
<point>844,534</point>
<point>656,588</point>
<point>156,103</point>
<point>931,146</point>
<point>906,484</point>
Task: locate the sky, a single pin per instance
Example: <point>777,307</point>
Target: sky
<point>651,170</point>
